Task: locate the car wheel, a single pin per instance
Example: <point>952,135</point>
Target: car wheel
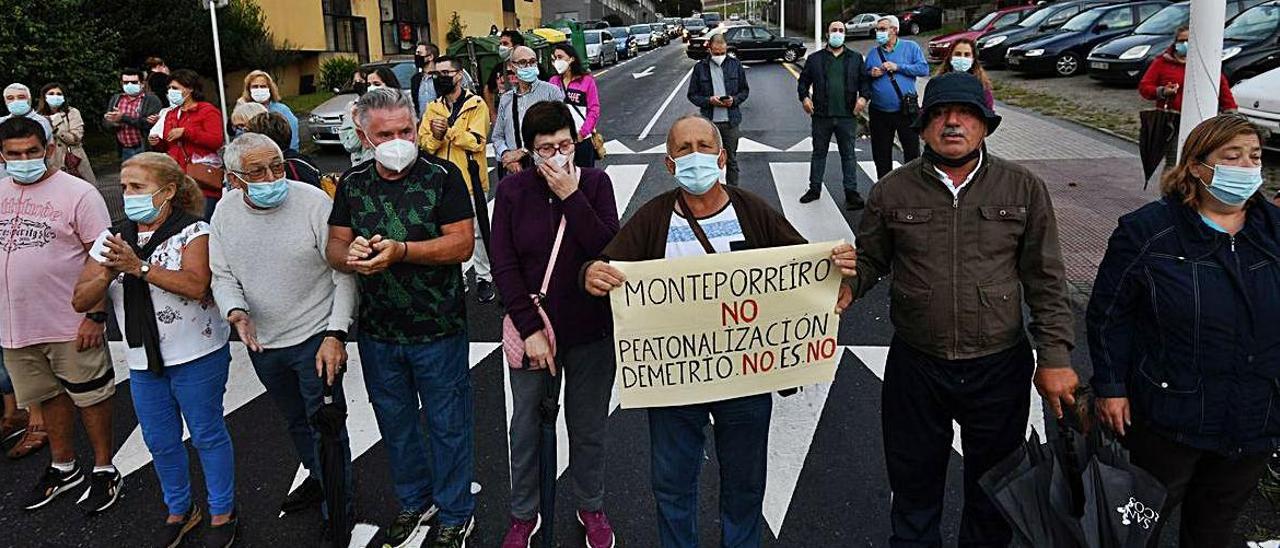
<point>1068,64</point>
<point>914,28</point>
<point>790,56</point>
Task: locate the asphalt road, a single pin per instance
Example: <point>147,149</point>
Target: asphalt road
<point>827,483</point>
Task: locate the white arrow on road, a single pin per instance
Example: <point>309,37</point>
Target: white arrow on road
<point>643,73</point>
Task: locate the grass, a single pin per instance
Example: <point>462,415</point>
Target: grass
<point>302,105</point>
<point>1121,123</point>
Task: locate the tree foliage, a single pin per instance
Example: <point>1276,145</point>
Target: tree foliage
<point>336,72</point>
<point>60,42</point>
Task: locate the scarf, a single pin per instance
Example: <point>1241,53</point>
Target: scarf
<point>938,159</point>
<point>140,328</point>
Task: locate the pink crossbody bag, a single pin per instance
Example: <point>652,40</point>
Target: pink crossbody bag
<point>512,342</point>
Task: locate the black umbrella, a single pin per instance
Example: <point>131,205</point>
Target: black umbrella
<point>1019,486</point>
<point>1122,502</point>
<point>330,419</point>
<point>549,409</point>
<point>1159,126</point>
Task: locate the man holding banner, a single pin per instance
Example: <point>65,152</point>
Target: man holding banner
<point>713,334</point>
<point>968,236</point>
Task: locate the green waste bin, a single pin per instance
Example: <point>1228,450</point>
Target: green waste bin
<point>479,55</point>
<point>576,37</point>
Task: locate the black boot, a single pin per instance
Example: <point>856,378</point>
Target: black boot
<point>853,201</point>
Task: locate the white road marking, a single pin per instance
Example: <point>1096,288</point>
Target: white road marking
<point>870,169</point>
<point>643,73</point>
<point>817,221</point>
<point>806,145</point>
<point>663,108</point>
<point>626,179</point>
<point>616,147</point>
<point>747,145</point>
<point>657,149</point>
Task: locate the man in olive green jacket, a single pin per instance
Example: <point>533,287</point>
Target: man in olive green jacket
<point>968,237</point>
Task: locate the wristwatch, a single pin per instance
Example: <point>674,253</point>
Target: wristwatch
<point>143,271</point>
<point>97,317</point>
<point>337,334</point>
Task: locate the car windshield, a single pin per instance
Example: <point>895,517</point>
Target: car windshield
<point>619,32</point>
<point>986,20</point>
<point>1255,24</point>
<point>711,16</point>
<point>593,37</point>
<point>694,23</point>
<point>1165,21</point>
<point>1037,17</point>
<point>1084,21</point>
<point>640,29</point>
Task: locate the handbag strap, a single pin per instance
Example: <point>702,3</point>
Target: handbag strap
<point>694,226</point>
<point>892,80</point>
<point>555,253</point>
<point>515,116</point>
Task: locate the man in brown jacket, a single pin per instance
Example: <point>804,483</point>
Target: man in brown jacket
<point>727,219</point>
<point>968,237</point>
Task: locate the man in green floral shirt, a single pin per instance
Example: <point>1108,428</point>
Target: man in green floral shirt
<point>404,224</point>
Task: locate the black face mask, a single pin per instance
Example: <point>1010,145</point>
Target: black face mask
<point>360,87</point>
<point>444,85</point>
<point>419,61</point>
<point>937,159</point>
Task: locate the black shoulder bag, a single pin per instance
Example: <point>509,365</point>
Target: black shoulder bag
<point>908,104</point>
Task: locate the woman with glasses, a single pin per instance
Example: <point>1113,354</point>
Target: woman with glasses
<point>583,98</point>
<point>549,221</point>
<point>177,340</point>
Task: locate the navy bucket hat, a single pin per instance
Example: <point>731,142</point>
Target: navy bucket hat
<point>955,88</point>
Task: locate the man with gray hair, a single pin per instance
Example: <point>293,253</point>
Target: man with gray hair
<point>403,224</point>
<point>507,144</point>
<point>17,98</point>
<point>894,66</point>
<point>293,311</point>
<point>719,87</point>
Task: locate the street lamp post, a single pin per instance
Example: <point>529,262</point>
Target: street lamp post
<point>782,18</point>
<point>1204,65</point>
<point>212,6</point>
<point>817,24</point>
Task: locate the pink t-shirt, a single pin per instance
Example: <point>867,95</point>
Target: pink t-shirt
<point>44,231</point>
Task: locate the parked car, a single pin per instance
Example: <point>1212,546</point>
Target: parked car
<point>325,119</point>
<point>735,17</point>
<point>712,19</point>
<point>601,50</point>
<point>993,46</point>
<point>1125,59</point>
<point>1063,51</point>
<point>624,42</point>
<point>1259,102</point>
<point>920,18</point>
<point>1251,42</point>
<point>991,21</point>
<point>694,27</point>
<point>675,26</point>
<point>643,34</point>
<point>863,24</point>
<point>751,43</point>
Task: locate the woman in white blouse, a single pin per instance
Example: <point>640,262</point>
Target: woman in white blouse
<point>155,267</point>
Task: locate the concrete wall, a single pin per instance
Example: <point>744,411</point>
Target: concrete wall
<point>479,15</point>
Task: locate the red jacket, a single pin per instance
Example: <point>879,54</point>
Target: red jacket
<point>201,136</point>
<point>1168,70</point>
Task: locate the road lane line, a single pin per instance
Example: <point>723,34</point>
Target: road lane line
<point>663,108</point>
<point>792,70</point>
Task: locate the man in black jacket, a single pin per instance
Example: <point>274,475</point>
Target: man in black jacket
<point>719,87</point>
<point>839,91</point>
<point>424,55</point>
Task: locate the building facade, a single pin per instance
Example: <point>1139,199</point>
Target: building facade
<point>619,12</point>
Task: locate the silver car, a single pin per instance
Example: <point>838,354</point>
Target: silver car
<point>862,25</point>
<point>644,36</point>
<point>324,121</point>
<point>601,50</point>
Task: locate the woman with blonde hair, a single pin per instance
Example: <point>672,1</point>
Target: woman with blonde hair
<point>155,268</point>
<point>260,87</point>
<point>241,115</point>
<point>963,57</point>
<point>1186,358</point>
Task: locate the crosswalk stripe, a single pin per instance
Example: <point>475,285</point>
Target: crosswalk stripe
<point>870,168</point>
<point>626,179</point>
<point>616,147</point>
<point>747,145</point>
<point>817,221</point>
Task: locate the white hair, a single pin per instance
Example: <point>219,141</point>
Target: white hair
<point>18,87</point>
<point>234,152</point>
<point>380,99</point>
<point>893,21</point>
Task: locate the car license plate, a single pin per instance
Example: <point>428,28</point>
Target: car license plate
<point>1015,61</point>
<point>1099,65</point>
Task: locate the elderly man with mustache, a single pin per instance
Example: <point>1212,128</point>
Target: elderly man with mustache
<point>968,238</point>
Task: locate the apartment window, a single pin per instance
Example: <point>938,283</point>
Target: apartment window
<point>404,23</point>
<point>344,32</point>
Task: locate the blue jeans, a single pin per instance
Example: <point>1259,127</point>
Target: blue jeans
<point>436,466</point>
<point>289,375</point>
<point>845,129</point>
<point>677,441</point>
<point>126,152</point>
<point>6,384</point>
<point>192,391</point>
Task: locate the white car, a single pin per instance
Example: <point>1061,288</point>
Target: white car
<point>643,34</point>
<point>601,50</point>
<point>863,24</point>
<point>1259,103</point>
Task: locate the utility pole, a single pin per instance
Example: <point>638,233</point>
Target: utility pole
<point>1204,66</point>
<point>817,25</point>
<point>212,6</point>
<point>782,18</point>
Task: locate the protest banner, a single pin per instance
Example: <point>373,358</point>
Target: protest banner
<point>714,327</point>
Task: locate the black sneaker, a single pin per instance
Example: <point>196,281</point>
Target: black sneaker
<point>172,534</point>
<point>853,201</point>
<point>812,195</point>
<point>453,536</point>
<point>407,527</point>
<point>309,495</point>
<point>484,291</point>
<point>104,489</point>
<point>222,536</point>
<point>54,482</point>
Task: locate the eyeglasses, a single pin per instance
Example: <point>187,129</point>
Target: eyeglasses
<point>449,73</point>
<point>525,63</point>
<point>548,150</point>
<point>276,169</point>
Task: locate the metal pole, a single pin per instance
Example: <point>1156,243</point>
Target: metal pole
<point>782,18</point>
<point>817,25</point>
<point>217,59</point>
<point>1204,66</point>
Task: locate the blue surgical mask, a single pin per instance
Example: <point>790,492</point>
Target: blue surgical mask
<point>268,195</point>
<point>836,39</point>
<point>527,75</point>
<point>175,97</point>
<point>1234,185</point>
<point>697,172</point>
<point>26,172</point>
<point>19,107</point>
<point>132,89</point>
<point>1181,48</point>
<point>882,37</point>
<point>141,208</point>
<point>962,64</point>
<point>55,101</point>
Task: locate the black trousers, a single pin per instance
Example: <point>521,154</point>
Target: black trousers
<point>1211,488</point>
<point>884,125</point>
<point>990,398</point>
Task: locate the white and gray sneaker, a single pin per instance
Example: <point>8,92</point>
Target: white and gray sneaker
<point>54,482</point>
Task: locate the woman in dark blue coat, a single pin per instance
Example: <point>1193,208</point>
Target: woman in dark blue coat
<point>1184,331</point>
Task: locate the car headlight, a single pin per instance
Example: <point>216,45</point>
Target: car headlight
<point>1230,52</point>
<point>313,119</point>
<point>1034,52</point>
<point>941,45</point>
<point>1135,52</point>
<point>994,41</point>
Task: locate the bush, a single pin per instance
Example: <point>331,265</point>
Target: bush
<point>336,72</point>
<point>457,30</point>
<point>59,43</point>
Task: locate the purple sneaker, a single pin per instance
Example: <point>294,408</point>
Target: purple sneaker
<point>521,532</point>
<point>599,532</point>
